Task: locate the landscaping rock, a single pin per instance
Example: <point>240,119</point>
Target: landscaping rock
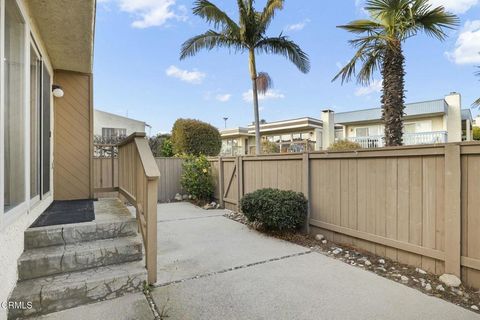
<point>428,287</point>
<point>450,280</point>
<point>337,251</point>
<point>185,197</point>
<point>404,279</point>
<point>474,307</point>
<point>324,241</point>
<point>178,197</point>
<point>382,261</point>
<point>440,288</point>
<point>420,271</point>
<point>319,237</point>
<point>368,263</point>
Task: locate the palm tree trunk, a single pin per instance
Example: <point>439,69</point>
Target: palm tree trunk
<point>393,98</point>
<point>253,74</point>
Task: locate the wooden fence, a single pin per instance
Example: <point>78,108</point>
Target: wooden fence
<point>169,181</point>
<point>417,205</point>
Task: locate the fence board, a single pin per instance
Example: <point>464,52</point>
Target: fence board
<point>169,181</point>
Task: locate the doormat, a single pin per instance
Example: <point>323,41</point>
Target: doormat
<point>66,212</point>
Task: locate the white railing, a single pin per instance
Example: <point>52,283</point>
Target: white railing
<point>409,139</point>
<point>229,151</point>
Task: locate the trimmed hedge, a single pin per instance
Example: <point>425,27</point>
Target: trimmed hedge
<point>275,209</point>
<point>161,145</point>
<point>344,145</point>
<point>195,137</point>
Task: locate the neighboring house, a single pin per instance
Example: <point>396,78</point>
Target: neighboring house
<point>110,125</point>
<point>430,122</point>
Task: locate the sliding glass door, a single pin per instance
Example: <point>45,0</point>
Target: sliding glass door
<point>46,130</point>
<point>14,107</point>
<point>35,120</point>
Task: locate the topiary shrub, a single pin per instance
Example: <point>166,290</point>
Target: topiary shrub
<point>197,179</point>
<point>195,137</point>
<point>344,145</point>
<point>275,209</point>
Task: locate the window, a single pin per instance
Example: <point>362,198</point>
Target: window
<point>409,127</point>
<point>14,121</point>
<point>361,132</point>
<point>113,132</point>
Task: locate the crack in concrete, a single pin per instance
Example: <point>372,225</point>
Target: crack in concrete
<point>209,274</point>
<point>191,218</point>
<point>151,303</point>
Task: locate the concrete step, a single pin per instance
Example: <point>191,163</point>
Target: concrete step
<point>69,290</point>
<point>41,262</point>
<point>113,227</point>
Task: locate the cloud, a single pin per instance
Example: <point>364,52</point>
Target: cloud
<point>467,46</point>
<point>374,87</point>
<point>297,26</point>
<point>270,95</point>
<point>151,13</point>
<point>455,6</point>
<point>195,77</point>
<point>223,97</point>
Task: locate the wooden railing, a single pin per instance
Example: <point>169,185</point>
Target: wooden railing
<point>138,182</point>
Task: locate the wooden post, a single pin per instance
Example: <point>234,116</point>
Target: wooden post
<point>221,174</point>
<point>151,247</point>
<point>306,188</point>
<point>239,181</point>
<point>113,166</point>
<point>452,209</point>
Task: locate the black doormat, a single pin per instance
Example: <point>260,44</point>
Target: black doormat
<point>66,212</point>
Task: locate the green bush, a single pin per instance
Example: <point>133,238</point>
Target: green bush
<point>269,147</point>
<point>476,133</point>
<point>344,145</point>
<point>161,145</point>
<point>197,179</point>
<point>195,137</point>
<point>275,209</point>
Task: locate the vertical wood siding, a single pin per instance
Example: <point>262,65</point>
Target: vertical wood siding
<point>73,143</point>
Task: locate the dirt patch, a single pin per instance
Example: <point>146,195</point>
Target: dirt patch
<point>413,277</point>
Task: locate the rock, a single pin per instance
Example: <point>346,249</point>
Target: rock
<point>337,251</point>
<point>420,271</point>
<point>474,307</point>
<point>185,197</point>
<point>324,241</point>
<point>347,255</point>
<point>457,292</point>
<point>440,288</point>
<point>217,206</point>
<point>190,197</point>
<point>404,279</point>
<point>368,263</point>
<point>381,269</point>
<point>428,287</point>
<point>381,261</point>
<point>208,206</point>
<point>319,237</point>
<point>213,204</point>
<point>450,280</point>
<point>178,197</point>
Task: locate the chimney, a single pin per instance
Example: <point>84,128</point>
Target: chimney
<point>328,136</point>
<point>454,117</point>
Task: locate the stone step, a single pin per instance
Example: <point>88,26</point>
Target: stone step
<point>69,290</point>
<point>41,262</point>
<point>121,226</point>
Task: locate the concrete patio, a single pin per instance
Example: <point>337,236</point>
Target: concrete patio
<point>213,268</point>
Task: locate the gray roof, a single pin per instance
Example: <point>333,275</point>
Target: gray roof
<point>411,109</point>
<point>467,115</point>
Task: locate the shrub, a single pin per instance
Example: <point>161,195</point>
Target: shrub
<point>197,179</point>
<point>344,145</point>
<point>476,133</point>
<point>195,137</point>
<point>161,145</point>
<point>275,209</point>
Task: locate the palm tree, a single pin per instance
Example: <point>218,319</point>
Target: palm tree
<point>379,48</point>
<point>246,35</point>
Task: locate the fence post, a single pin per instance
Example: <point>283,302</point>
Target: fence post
<point>306,187</point>
<point>113,166</point>
<point>220,182</point>
<point>452,209</point>
<point>239,181</point>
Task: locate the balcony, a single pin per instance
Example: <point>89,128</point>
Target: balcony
<point>409,139</point>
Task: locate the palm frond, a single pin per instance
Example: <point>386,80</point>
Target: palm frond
<point>283,46</point>
<point>269,11</point>
<point>433,21</point>
<point>362,26</point>
<point>264,82</point>
<point>208,40</point>
<point>212,14</point>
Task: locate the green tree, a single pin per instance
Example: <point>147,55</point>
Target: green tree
<point>161,145</point>
<point>246,35</point>
<point>379,48</point>
<point>194,137</point>
<point>476,133</point>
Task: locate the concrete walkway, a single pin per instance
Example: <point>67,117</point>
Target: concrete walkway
<point>213,268</point>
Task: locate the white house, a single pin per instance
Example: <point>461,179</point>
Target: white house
<point>109,125</point>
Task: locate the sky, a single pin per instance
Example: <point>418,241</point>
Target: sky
<point>138,73</point>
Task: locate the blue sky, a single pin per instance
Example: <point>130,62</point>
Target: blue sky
<point>138,71</point>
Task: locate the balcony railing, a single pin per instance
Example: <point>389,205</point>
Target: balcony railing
<point>232,151</point>
<point>409,139</point>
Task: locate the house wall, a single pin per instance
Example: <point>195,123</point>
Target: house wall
<point>73,138</point>
<point>108,120</point>
<point>13,224</point>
